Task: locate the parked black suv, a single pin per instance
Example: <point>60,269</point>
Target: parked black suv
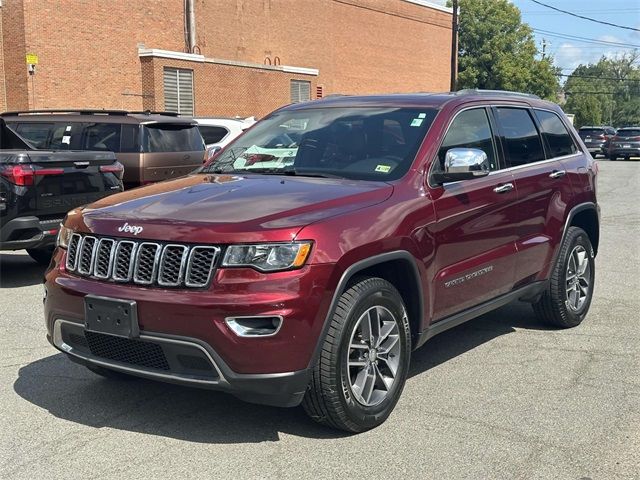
<point>38,187</point>
<point>625,144</point>
<point>597,139</point>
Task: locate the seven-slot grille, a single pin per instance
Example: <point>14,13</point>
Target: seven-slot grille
<point>141,262</point>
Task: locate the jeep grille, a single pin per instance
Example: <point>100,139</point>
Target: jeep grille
<point>141,262</point>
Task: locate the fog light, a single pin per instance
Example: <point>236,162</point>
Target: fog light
<point>258,326</point>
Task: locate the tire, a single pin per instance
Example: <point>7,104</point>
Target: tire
<point>612,158</point>
<point>566,301</point>
<point>333,397</point>
<point>41,255</point>
<point>110,374</point>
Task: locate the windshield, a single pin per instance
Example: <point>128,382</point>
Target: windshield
<point>357,143</point>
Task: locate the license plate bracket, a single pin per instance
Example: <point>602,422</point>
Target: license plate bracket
<point>112,316</point>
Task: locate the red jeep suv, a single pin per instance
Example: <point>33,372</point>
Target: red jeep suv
<point>307,259</point>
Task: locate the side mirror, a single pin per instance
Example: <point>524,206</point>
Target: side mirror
<point>463,164</point>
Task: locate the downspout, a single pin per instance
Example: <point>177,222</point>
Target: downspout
<point>191,25</point>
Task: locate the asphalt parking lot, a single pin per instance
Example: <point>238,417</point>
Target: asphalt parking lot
<point>499,397</point>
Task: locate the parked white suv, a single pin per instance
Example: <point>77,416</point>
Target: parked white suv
<point>217,132</point>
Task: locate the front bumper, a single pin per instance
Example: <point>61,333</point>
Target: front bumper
<point>28,232</point>
<point>180,323</point>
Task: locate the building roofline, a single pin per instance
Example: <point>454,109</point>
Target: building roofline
<point>430,4</point>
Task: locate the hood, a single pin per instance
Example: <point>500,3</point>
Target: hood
<point>227,208</point>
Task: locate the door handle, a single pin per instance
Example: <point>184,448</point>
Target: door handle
<point>557,174</point>
<point>504,188</point>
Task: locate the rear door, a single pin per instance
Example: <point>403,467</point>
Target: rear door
<point>474,233</point>
<point>535,147</point>
<point>170,150</point>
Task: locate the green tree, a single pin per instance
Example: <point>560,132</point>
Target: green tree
<point>607,92</point>
<point>498,51</point>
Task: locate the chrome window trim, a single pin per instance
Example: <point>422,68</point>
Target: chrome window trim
<point>75,263</point>
<point>154,269</point>
<point>93,255</point>
<point>216,251</point>
<point>134,248</point>
<point>183,262</point>
<point>114,244</point>
<point>68,349</point>
<point>508,169</point>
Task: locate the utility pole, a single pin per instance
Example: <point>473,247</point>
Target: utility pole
<point>454,46</point>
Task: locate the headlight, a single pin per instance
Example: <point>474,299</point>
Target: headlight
<point>268,257</point>
<point>64,235</point>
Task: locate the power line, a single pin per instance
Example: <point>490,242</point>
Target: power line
<point>585,39</point>
<point>600,78</point>
<point>589,93</point>
<point>586,18</point>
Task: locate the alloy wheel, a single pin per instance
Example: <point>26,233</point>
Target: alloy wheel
<point>374,356</point>
<point>578,278</point>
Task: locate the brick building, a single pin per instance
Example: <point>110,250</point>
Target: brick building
<point>247,57</point>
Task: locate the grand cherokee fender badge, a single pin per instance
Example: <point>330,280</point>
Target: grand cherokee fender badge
<point>468,276</point>
<point>126,228</point>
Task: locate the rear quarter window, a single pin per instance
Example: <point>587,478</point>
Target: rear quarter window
<point>171,138</point>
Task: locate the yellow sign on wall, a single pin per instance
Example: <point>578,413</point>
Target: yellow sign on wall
<point>32,59</point>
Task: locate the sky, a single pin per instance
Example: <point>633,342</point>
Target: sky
<point>568,53</point>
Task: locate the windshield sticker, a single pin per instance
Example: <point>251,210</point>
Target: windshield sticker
<point>416,122</point>
<point>422,115</point>
<point>383,168</point>
<point>68,129</point>
<point>66,139</point>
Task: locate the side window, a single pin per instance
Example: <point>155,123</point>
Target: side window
<point>101,136</point>
<point>61,135</point>
<point>130,138</point>
<point>36,133</point>
<point>469,129</point>
<point>555,134</point>
<point>212,134</point>
<point>521,139</point>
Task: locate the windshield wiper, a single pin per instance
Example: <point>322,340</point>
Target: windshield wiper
<point>291,172</point>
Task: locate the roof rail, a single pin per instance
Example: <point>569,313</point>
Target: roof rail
<point>76,111</point>
<point>475,91</point>
<point>155,112</point>
<point>80,111</point>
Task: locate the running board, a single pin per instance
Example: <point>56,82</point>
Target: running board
<point>528,292</point>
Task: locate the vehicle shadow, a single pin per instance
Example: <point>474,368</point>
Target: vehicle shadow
<point>19,270</point>
<point>71,392</point>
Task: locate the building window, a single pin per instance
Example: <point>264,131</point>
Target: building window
<point>178,90</point>
<point>300,91</point>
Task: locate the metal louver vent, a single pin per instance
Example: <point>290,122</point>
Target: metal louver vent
<point>178,90</point>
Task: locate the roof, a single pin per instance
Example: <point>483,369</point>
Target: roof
<point>433,100</point>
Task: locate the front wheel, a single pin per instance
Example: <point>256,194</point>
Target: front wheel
<point>364,360</point>
<point>566,300</point>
